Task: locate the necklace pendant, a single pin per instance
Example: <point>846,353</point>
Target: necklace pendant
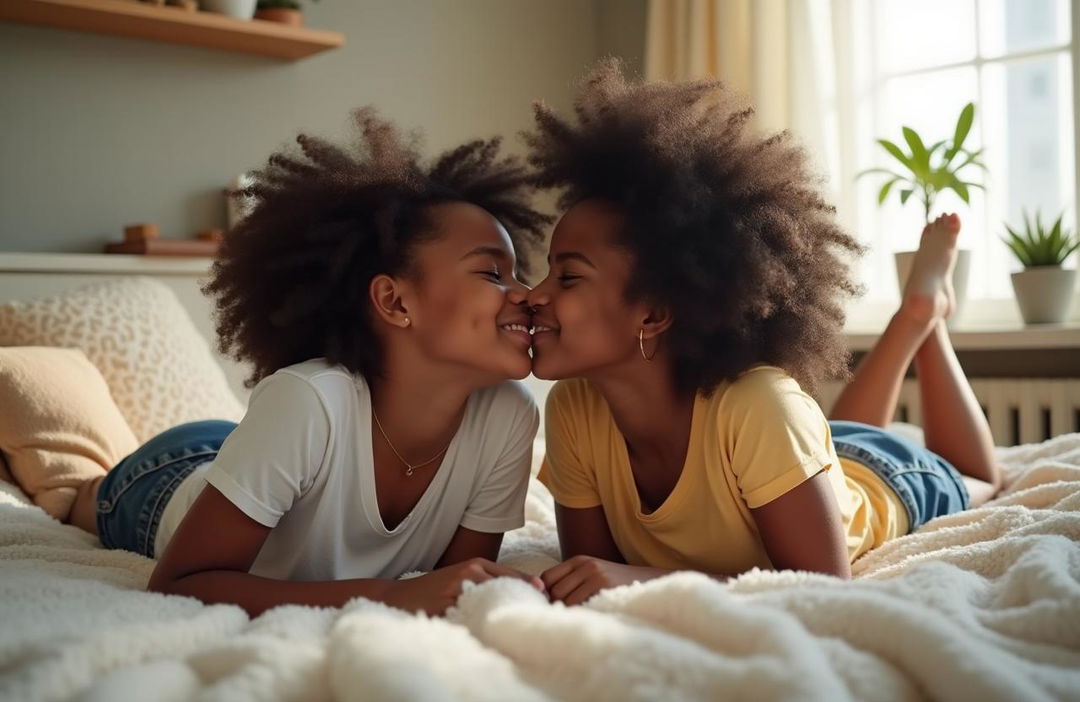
<point>409,471</point>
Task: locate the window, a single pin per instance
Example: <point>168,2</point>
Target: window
<point>916,63</point>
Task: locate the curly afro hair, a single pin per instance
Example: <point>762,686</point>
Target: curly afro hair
<point>726,228</point>
<point>291,280</point>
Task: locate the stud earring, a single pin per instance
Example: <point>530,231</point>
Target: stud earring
<point>406,321</point>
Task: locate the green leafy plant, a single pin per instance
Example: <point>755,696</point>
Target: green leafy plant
<point>1039,246</point>
<point>930,170</point>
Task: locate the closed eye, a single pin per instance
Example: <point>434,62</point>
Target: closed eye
<point>566,279</point>
<point>493,274</point>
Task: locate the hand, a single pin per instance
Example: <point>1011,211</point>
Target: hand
<point>438,590</point>
<point>581,577</point>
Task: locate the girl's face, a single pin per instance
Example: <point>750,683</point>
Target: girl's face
<point>582,322</point>
<point>465,307</point>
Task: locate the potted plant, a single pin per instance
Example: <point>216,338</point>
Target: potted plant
<point>284,11</point>
<point>928,171</point>
<point>1044,289</point>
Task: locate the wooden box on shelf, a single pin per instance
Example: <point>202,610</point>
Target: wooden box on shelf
<point>143,239</point>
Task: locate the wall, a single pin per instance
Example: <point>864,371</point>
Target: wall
<point>98,132</point>
<point>621,32</point>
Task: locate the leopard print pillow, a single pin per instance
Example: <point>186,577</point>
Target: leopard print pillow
<point>159,369</point>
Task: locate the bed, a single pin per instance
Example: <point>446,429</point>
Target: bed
<point>983,604</point>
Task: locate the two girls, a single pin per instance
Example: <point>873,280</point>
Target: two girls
<point>695,293</point>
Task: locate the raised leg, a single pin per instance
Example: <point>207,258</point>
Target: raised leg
<point>871,395</point>
<point>953,423</point>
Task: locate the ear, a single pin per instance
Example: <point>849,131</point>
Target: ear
<point>388,300</point>
<point>656,321</point>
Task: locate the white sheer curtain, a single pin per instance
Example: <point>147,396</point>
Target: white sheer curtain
<point>841,73</point>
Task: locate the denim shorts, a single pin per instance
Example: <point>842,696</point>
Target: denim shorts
<point>133,495</point>
<point>927,484</point>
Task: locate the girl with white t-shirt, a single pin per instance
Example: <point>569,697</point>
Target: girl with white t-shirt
<point>378,304</point>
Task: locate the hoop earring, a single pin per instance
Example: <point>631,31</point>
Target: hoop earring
<point>641,345</point>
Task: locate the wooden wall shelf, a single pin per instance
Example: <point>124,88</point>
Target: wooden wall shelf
<point>173,25</point>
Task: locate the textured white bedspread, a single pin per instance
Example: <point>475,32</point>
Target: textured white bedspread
<point>980,605</point>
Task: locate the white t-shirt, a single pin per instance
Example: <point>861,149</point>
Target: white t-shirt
<point>300,461</point>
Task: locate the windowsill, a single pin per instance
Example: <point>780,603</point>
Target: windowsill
<point>981,324</point>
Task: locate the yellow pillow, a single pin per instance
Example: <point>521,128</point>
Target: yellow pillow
<point>58,424</point>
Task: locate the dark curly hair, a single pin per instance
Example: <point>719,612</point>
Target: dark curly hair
<point>291,280</point>
<point>726,228</point>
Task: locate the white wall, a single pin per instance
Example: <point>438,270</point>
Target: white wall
<point>97,132</point>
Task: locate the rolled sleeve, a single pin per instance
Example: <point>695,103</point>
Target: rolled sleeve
<point>499,503</point>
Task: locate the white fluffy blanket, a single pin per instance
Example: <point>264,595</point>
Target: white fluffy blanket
<point>980,605</point>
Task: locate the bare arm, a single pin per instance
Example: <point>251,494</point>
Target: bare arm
<point>802,529</point>
<point>209,557</point>
<point>588,547</point>
<point>585,532</point>
<point>592,562</point>
<point>216,543</point>
<point>468,544</point>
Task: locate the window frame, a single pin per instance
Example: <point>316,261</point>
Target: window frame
<point>989,313</point>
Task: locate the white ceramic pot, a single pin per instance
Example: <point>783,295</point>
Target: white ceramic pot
<point>240,9</point>
<point>1044,293</point>
<point>904,259</point>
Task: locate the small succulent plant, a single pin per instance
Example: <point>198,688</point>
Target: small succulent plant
<point>1039,246</point>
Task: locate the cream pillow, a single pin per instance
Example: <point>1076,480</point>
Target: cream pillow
<point>58,425</point>
<point>159,369</point>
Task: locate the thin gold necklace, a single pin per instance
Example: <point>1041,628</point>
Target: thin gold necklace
<point>411,467</point>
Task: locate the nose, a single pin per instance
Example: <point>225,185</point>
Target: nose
<point>517,293</point>
<point>538,296</point>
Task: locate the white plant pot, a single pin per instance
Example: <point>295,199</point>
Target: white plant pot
<point>240,9</point>
<point>1044,293</point>
<point>904,259</point>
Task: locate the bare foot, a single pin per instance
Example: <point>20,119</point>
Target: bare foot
<point>928,293</point>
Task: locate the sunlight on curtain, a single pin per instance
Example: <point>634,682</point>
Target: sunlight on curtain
<point>842,73</point>
<point>782,55</point>
<point>741,42</point>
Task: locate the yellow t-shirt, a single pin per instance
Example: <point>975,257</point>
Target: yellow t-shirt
<point>751,441</point>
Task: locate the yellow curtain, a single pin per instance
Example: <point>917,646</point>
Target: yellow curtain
<point>744,43</point>
<point>789,57</point>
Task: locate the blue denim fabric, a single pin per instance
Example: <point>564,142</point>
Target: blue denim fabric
<point>133,495</point>
<point>928,485</point>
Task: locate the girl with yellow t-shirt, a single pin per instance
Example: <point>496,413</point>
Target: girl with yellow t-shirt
<point>696,287</point>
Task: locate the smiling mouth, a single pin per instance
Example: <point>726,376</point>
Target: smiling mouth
<point>532,331</point>
<point>521,333</point>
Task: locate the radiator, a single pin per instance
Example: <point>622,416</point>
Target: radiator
<point>1019,410</point>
